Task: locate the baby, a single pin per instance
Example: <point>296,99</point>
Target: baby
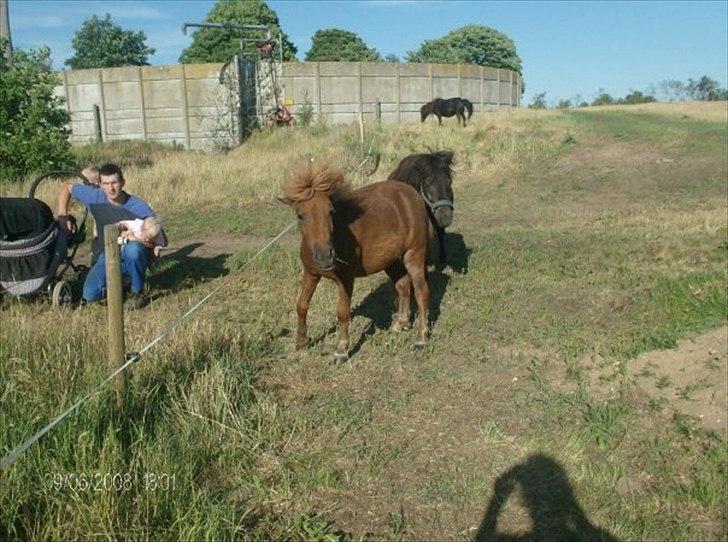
<point>147,231</point>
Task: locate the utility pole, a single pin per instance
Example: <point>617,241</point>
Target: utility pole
<point>5,33</point>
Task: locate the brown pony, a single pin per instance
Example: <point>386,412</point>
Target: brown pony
<point>349,233</point>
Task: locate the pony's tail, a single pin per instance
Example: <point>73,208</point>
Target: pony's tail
<point>469,107</point>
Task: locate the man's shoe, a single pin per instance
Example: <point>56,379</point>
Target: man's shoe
<point>137,301</point>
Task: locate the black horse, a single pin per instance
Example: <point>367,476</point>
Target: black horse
<point>447,108</point>
<point>431,175</point>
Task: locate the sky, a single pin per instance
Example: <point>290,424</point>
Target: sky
<point>568,49</point>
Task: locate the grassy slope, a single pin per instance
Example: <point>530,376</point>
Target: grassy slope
<point>581,239</point>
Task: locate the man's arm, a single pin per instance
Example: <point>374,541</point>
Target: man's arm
<point>64,196</point>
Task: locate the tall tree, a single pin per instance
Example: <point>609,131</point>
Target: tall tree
<point>220,45</point>
<point>33,121</point>
<point>340,45</point>
<point>472,44</point>
<point>705,89</point>
<point>102,44</point>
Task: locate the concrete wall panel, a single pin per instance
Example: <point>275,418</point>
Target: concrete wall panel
<point>79,77</point>
<point>415,89</point>
<point>377,69</point>
<point>157,73</point>
<point>162,93</point>
<point>505,92</point>
<point>83,97</point>
<point>407,70</point>
<point>445,88</point>
<point>339,90</point>
<point>339,69</point>
<point>183,103</point>
<point>122,95</point>
<point>162,125</point>
<point>383,89</point>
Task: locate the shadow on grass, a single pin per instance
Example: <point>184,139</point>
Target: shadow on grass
<point>550,500</point>
<point>185,270</point>
<point>379,305</point>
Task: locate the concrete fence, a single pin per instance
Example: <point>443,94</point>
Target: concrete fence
<point>188,105</point>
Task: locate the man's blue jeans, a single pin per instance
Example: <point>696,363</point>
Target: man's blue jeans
<point>134,261</point>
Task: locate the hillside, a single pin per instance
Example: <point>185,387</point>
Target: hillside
<point>577,340</point>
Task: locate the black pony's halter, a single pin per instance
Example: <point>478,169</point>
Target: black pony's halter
<point>435,205</point>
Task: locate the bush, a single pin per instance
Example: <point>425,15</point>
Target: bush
<point>33,121</point>
<point>305,112</point>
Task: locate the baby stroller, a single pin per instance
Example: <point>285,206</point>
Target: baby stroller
<point>34,250</point>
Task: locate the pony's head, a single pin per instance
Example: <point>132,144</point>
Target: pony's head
<point>426,110</point>
<point>436,186</point>
<point>309,189</point>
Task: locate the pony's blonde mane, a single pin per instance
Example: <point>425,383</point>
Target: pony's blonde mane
<point>312,176</point>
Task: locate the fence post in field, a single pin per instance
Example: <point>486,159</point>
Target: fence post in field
<point>378,111</point>
<point>115,310</point>
<point>97,124</point>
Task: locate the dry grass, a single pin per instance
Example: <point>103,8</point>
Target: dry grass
<point>708,111</point>
<point>575,242</point>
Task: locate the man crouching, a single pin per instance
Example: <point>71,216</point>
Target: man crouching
<point>135,256</point>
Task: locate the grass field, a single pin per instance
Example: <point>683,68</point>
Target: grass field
<point>554,401</point>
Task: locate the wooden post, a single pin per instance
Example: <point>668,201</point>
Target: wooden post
<point>378,111</point>
<point>97,124</point>
<point>360,118</point>
<point>103,105</point>
<point>115,310</point>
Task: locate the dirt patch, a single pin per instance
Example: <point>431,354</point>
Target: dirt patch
<point>691,379</point>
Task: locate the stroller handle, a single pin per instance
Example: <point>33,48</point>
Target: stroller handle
<point>81,231</point>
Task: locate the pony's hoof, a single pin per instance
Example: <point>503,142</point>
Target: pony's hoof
<point>397,327</point>
<point>341,358</point>
<point>419,345</point>
<point>302,345</point>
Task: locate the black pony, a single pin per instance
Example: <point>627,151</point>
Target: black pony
<point>431,175</point>
<point>447,108</point>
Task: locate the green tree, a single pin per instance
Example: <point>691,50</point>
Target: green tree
<point>340,45</point>
<point>637,97</point>
<point>539,101</point>
<point>473,44</point>
<point>391,58</point>
<point>102,44</point>
<point>220,44</point>
<point>33,121</point>
<point>705,89</point>
<point>603,98</point>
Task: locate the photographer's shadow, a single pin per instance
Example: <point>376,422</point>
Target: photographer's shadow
<point>180,270</point>
<point>551,504</point>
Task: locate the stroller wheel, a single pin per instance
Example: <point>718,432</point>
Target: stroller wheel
<point>62,294</point>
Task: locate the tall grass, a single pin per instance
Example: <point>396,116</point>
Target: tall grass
<point>582,239</point>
